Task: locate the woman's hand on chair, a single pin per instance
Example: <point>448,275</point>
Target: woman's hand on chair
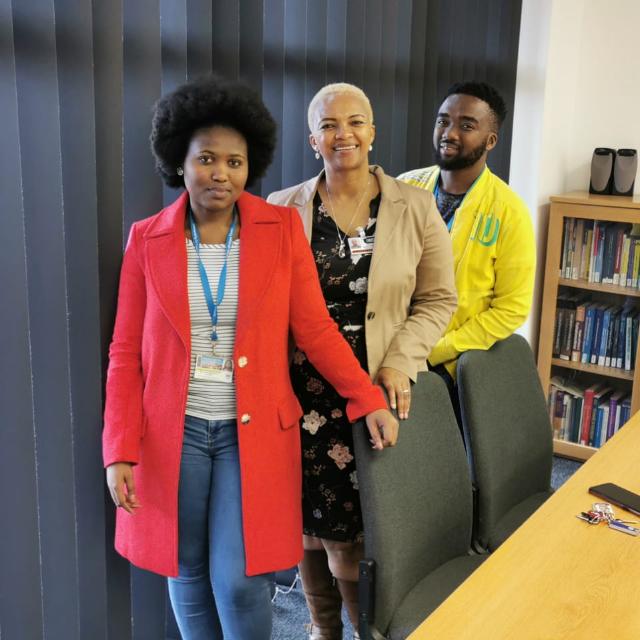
<point>398,388</point>
<point>383,428</point>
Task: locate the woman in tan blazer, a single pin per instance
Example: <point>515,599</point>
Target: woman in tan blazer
<point>386,267</point>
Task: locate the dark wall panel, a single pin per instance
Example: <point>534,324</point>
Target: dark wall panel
<point>142,78</point>
<point>79,80</point>
<point>20,577</point>
<point>37,84</point>
<point>273,82</point>
<point>77,137</point>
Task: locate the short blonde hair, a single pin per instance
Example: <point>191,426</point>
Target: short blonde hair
<point>337,88</point>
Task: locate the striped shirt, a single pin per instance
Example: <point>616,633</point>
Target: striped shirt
<point>209,399</point>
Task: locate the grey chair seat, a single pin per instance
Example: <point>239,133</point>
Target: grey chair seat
<point>508,436</point>
<point>429,593</point>
<point>511,520</point>
<point>417,510</point>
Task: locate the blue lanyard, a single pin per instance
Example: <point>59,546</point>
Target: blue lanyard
<point>222,280</point>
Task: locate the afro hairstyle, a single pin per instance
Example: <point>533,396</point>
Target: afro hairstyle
<point>485,92</point>
<point>209,102</point>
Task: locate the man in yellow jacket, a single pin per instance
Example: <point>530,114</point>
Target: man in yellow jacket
<point>491,231</point>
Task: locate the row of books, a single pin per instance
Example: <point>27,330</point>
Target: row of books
<point>595,333</point>
<point>598,251</point>
<point>586,415</point>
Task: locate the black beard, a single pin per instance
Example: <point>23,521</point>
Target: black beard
<point>460,161</point>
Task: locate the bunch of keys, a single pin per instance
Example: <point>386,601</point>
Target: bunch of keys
<point>603,512</point>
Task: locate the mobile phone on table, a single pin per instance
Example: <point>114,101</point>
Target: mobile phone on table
<point>618,496</point>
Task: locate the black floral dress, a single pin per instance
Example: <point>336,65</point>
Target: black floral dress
<point>331,502</point>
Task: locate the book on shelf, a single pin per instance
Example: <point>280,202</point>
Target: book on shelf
<point>601,252</point>
<point>586,250</point>
<point>587,411</point>
<point>612,336</point>
<point>587,415</point>
<point>578,331</point>
<point>615,406</point>
<point>595,333</point>
<point>599,398</point>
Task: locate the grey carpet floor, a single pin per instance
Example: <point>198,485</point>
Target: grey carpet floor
<point>290,612</point>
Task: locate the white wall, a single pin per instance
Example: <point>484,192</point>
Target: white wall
<point>577,88</point>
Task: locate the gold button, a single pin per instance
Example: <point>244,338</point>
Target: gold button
<point>245,419</point>
<point>242,361</point>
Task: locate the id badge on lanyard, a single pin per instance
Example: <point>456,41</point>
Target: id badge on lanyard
<point>361,245</point>
<point>213,367</point>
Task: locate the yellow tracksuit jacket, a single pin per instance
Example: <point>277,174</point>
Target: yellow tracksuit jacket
<point>494,260</point>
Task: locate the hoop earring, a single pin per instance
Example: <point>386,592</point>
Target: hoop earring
<point>180,171</point>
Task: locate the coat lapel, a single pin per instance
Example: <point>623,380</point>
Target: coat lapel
<point>303,201</point>
<point>166,263</point>
<point>392,208</point>
<point>260,244</point>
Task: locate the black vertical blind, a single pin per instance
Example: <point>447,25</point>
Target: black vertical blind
<point>78,83</point>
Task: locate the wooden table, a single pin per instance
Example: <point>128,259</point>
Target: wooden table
<point>557,577</point>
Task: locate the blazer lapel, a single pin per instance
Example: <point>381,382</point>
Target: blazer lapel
<point>166,263</point>
<point>303,201</point>
<point>260,244</point>
<point>392,208</point>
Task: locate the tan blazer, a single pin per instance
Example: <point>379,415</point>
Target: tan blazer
<point>411,295</point>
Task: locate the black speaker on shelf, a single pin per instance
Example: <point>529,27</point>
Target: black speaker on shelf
<point>602,163</point>
<point>624,172</point>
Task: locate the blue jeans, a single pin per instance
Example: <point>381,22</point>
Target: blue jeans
<point>212,598</point>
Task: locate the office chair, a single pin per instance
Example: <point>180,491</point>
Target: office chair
<point>417,512</point>
<point>508,437</point>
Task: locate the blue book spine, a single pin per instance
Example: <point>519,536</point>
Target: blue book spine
<point>598,427</point>
<point>597,335</point>
<point>621,340</point>
<point>588,334</point>
<point>625,412</point>
<point>604,338</point>
<point>601,426</point>
<point>627,344</point>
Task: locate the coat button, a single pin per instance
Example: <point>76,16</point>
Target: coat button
<point>371,315</point>
<point>245,419</point>
<point>242,361</point>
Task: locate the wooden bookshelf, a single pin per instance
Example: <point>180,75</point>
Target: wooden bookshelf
<point>596,286</point>
<point>608,209</point>
<point>608,372</point>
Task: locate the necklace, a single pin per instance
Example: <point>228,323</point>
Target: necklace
<point>342,252</point>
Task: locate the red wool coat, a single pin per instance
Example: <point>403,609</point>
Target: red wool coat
<point>148,380</point>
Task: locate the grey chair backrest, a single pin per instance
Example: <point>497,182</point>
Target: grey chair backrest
<point>416,497</point>
<point>507,428</point>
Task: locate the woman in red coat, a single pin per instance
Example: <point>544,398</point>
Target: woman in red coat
<point>201,441</point>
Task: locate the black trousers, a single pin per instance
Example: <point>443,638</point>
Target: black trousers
<point>452,388</point>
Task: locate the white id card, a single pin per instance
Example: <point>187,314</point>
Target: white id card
<point>216,368</point>
<point>361,246</point>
